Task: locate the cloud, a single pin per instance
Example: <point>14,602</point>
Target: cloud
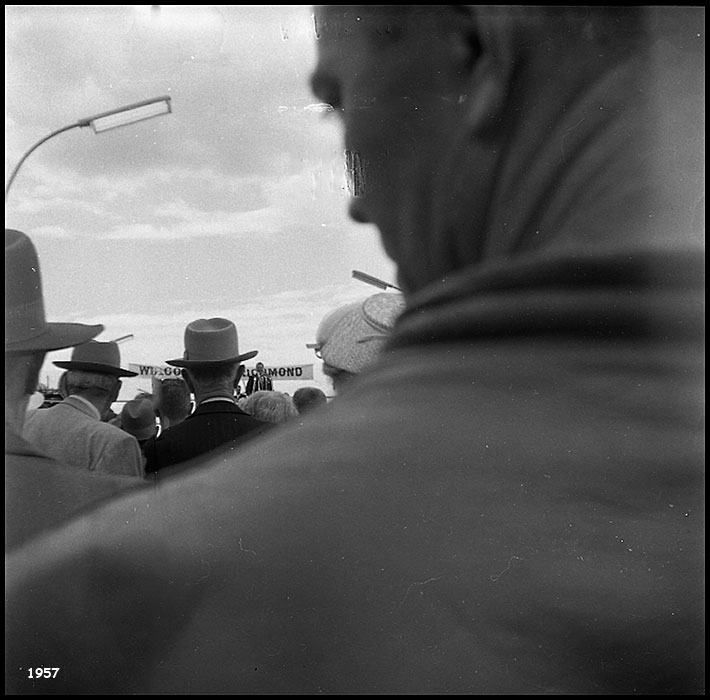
<point>280,323</point>
<point>223,67</point>
<point>235,204</point>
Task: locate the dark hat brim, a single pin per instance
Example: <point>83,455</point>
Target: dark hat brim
<point>212,363</point>
<point>96,367</point>
<point>56,336</point>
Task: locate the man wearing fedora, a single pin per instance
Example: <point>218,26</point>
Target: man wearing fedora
<point>211,367</point>
<point>535,525</point>
<point>40,492</point>
<point>138,418</point>
<point>73,431</point>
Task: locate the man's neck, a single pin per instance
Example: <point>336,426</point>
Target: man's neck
<point>203,395</point>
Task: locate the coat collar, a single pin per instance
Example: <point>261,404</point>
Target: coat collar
<point>225,406</point>
<point>83,406</point>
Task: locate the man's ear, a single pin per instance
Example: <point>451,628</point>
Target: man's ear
<point>482,44</point>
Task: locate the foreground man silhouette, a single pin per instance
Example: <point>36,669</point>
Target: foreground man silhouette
<point>534,524</point>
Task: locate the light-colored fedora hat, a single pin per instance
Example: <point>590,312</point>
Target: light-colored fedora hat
<point>26,327</point>
<point>101,358</point>
<point>351,336</point>
<point>211,341</point>
<point>138,418</point>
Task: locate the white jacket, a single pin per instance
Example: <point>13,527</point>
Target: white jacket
<point>73,433</point>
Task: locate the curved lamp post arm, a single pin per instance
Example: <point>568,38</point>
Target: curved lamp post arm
<point>122,116</point>
<point>39,143</point>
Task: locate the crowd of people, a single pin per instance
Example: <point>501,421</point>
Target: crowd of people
<point>188,416</point>
<point>505,495</point>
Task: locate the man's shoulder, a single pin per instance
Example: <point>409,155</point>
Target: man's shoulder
<point>71,409</point>
<point>169,433</point>
<point>222,412</point>
<point>212,408</point>
<point>175,432</point>
<point>110,433</point>
<point>204,421</point>
<point>37,415</point>
<point>61,414</point>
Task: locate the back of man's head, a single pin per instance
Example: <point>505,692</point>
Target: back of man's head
<point>309,397</point>
<point>175,400</point>
<point>270,406</point>
<point>99,388</point>
<point>86,383</point>
<point>221,375</point>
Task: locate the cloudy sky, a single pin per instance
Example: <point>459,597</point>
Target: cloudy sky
<point>233,205</point>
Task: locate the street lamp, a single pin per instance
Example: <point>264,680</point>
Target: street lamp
<point>374,281</point>
<point>122,116</point>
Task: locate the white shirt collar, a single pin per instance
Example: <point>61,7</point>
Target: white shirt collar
<point>217,398</point>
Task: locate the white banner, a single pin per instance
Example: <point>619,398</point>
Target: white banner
<point>276,372</point>
<point>279,372</point>
<point>156,371</point>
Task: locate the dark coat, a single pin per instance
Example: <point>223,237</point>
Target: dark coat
<point>510,500</point>
<point>210,425</point>
<point>549,539</point>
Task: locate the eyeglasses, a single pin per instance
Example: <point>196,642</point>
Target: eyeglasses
<point>316,347</point>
